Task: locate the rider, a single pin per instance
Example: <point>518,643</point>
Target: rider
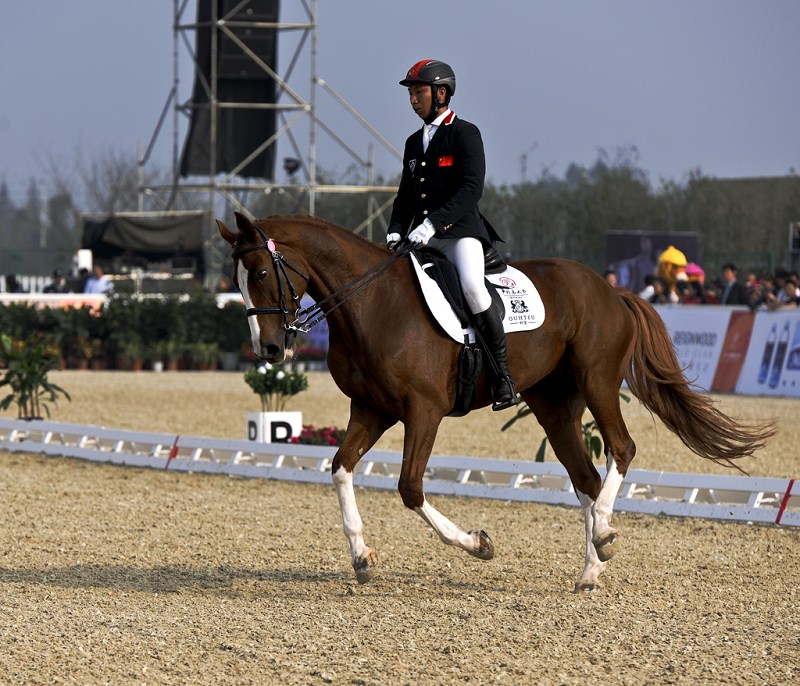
<point>441,184</point>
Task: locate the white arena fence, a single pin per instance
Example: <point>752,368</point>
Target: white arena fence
<point>773,501</point>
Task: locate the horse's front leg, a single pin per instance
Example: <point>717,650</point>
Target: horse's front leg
<point>364,558</point>
<point>363,430</point>
<point>417,446</point>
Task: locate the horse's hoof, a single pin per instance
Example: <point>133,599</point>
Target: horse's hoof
<point>581,586</point>
<point>485,549</point>
<point>366,567</point>
<point>607,547</point>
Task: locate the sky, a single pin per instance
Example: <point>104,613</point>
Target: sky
<point>709,85</point>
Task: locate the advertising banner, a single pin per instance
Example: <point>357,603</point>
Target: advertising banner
<point>698,333</point>
<point>772,365</point>
<point>734,351</point>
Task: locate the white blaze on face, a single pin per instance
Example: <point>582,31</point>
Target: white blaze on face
<point>255,332</point>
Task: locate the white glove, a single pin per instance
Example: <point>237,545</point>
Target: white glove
<point>392,239</point>
<point>423,233</point>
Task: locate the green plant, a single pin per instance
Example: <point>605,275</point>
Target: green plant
<point>275,384</point>
<point>124,315</point>
<point>27,364</point>
<point>232,328</point>
<point>202,353</point>
<point>88,348</point>
<point>131,348</point>
<point>172,349</point>
<point>589,431</point>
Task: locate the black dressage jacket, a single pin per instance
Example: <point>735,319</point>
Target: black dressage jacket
<point>444,183</point>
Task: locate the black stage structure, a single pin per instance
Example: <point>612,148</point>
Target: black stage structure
<point>244,108</point>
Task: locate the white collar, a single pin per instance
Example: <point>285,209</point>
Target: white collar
<point>437,122</point>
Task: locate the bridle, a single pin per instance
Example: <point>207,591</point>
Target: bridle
<point>279,266</point>
<point>302,316</point>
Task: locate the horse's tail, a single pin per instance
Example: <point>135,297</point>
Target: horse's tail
<point>654,375</point>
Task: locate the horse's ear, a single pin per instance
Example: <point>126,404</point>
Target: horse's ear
<point>225,232</point>
<point>244,225</point>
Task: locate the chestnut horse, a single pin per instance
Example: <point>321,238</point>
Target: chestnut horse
<point>391,359</point>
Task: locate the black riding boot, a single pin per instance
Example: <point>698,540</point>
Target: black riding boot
<point>491,331</point>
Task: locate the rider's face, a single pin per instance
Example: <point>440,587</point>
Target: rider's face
<point>421,101</point>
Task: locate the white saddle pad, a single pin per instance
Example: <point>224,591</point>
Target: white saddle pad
<point>524,309</point>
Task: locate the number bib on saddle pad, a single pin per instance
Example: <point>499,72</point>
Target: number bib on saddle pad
<point>523,306</point>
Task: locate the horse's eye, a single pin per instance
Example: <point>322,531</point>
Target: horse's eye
<point>262,275</point>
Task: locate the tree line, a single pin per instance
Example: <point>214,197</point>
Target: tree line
<point>745,221</point>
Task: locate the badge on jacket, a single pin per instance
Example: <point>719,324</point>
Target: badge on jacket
<point>446,161</point>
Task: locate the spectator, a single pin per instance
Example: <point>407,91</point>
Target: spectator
<point>787,291</point>
<point>58,284</point>
<point>647,292</point>
<point>780,279</point>
<point>789,296</point>
<point>13,285</point>
<point>660,294</point>
<point>611,277</point>
<point>695,292</point>
<point>733,292</point>
<point>98,282</point>
<point>672,268</point>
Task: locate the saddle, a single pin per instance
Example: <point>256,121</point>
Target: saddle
<point>445,274</point>
<point>470,359</point>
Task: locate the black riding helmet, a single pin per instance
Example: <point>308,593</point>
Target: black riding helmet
<point>435,74</point>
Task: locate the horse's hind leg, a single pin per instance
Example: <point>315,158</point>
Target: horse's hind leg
<point>559,407</point>
<point>620,449</point>
<point>363,430</point>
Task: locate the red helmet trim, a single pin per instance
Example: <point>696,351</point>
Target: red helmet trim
<point>414,71</point>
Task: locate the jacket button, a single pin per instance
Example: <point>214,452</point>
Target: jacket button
<point>424,211</point>
<point>423,196</point>
<point>423,164</point>
<point>422,179</point>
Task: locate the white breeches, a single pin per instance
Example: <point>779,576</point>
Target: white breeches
<point>467,255</point>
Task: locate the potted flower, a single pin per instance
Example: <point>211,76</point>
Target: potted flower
<point>274,385</point>
<point>320,435</point>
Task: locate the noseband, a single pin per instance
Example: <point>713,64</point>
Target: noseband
<point>279,265</point>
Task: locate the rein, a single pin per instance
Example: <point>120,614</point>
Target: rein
<point>302,315</point>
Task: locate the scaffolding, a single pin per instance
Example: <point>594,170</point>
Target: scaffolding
<point>223,192</point>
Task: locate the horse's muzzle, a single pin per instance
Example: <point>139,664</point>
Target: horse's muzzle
<point>275,353</point>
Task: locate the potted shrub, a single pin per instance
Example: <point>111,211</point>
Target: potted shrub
<point>274,385</point>
<point>131,351</point>
<point>203,355</point>
<point>232,333</point>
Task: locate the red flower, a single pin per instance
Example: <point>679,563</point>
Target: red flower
<point>312,435</point>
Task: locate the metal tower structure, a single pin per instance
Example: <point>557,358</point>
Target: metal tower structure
<point>296,108</point>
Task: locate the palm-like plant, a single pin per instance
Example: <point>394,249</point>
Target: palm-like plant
<point>27,364</point>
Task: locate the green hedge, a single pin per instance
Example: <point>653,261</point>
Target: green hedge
<point>190,331</point>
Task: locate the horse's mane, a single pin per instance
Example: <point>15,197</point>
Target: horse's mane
<point>316,223</point>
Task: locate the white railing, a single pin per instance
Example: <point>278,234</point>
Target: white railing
<point>735,498</point>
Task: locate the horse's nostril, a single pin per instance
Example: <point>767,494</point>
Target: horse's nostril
<point>272,353</point>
